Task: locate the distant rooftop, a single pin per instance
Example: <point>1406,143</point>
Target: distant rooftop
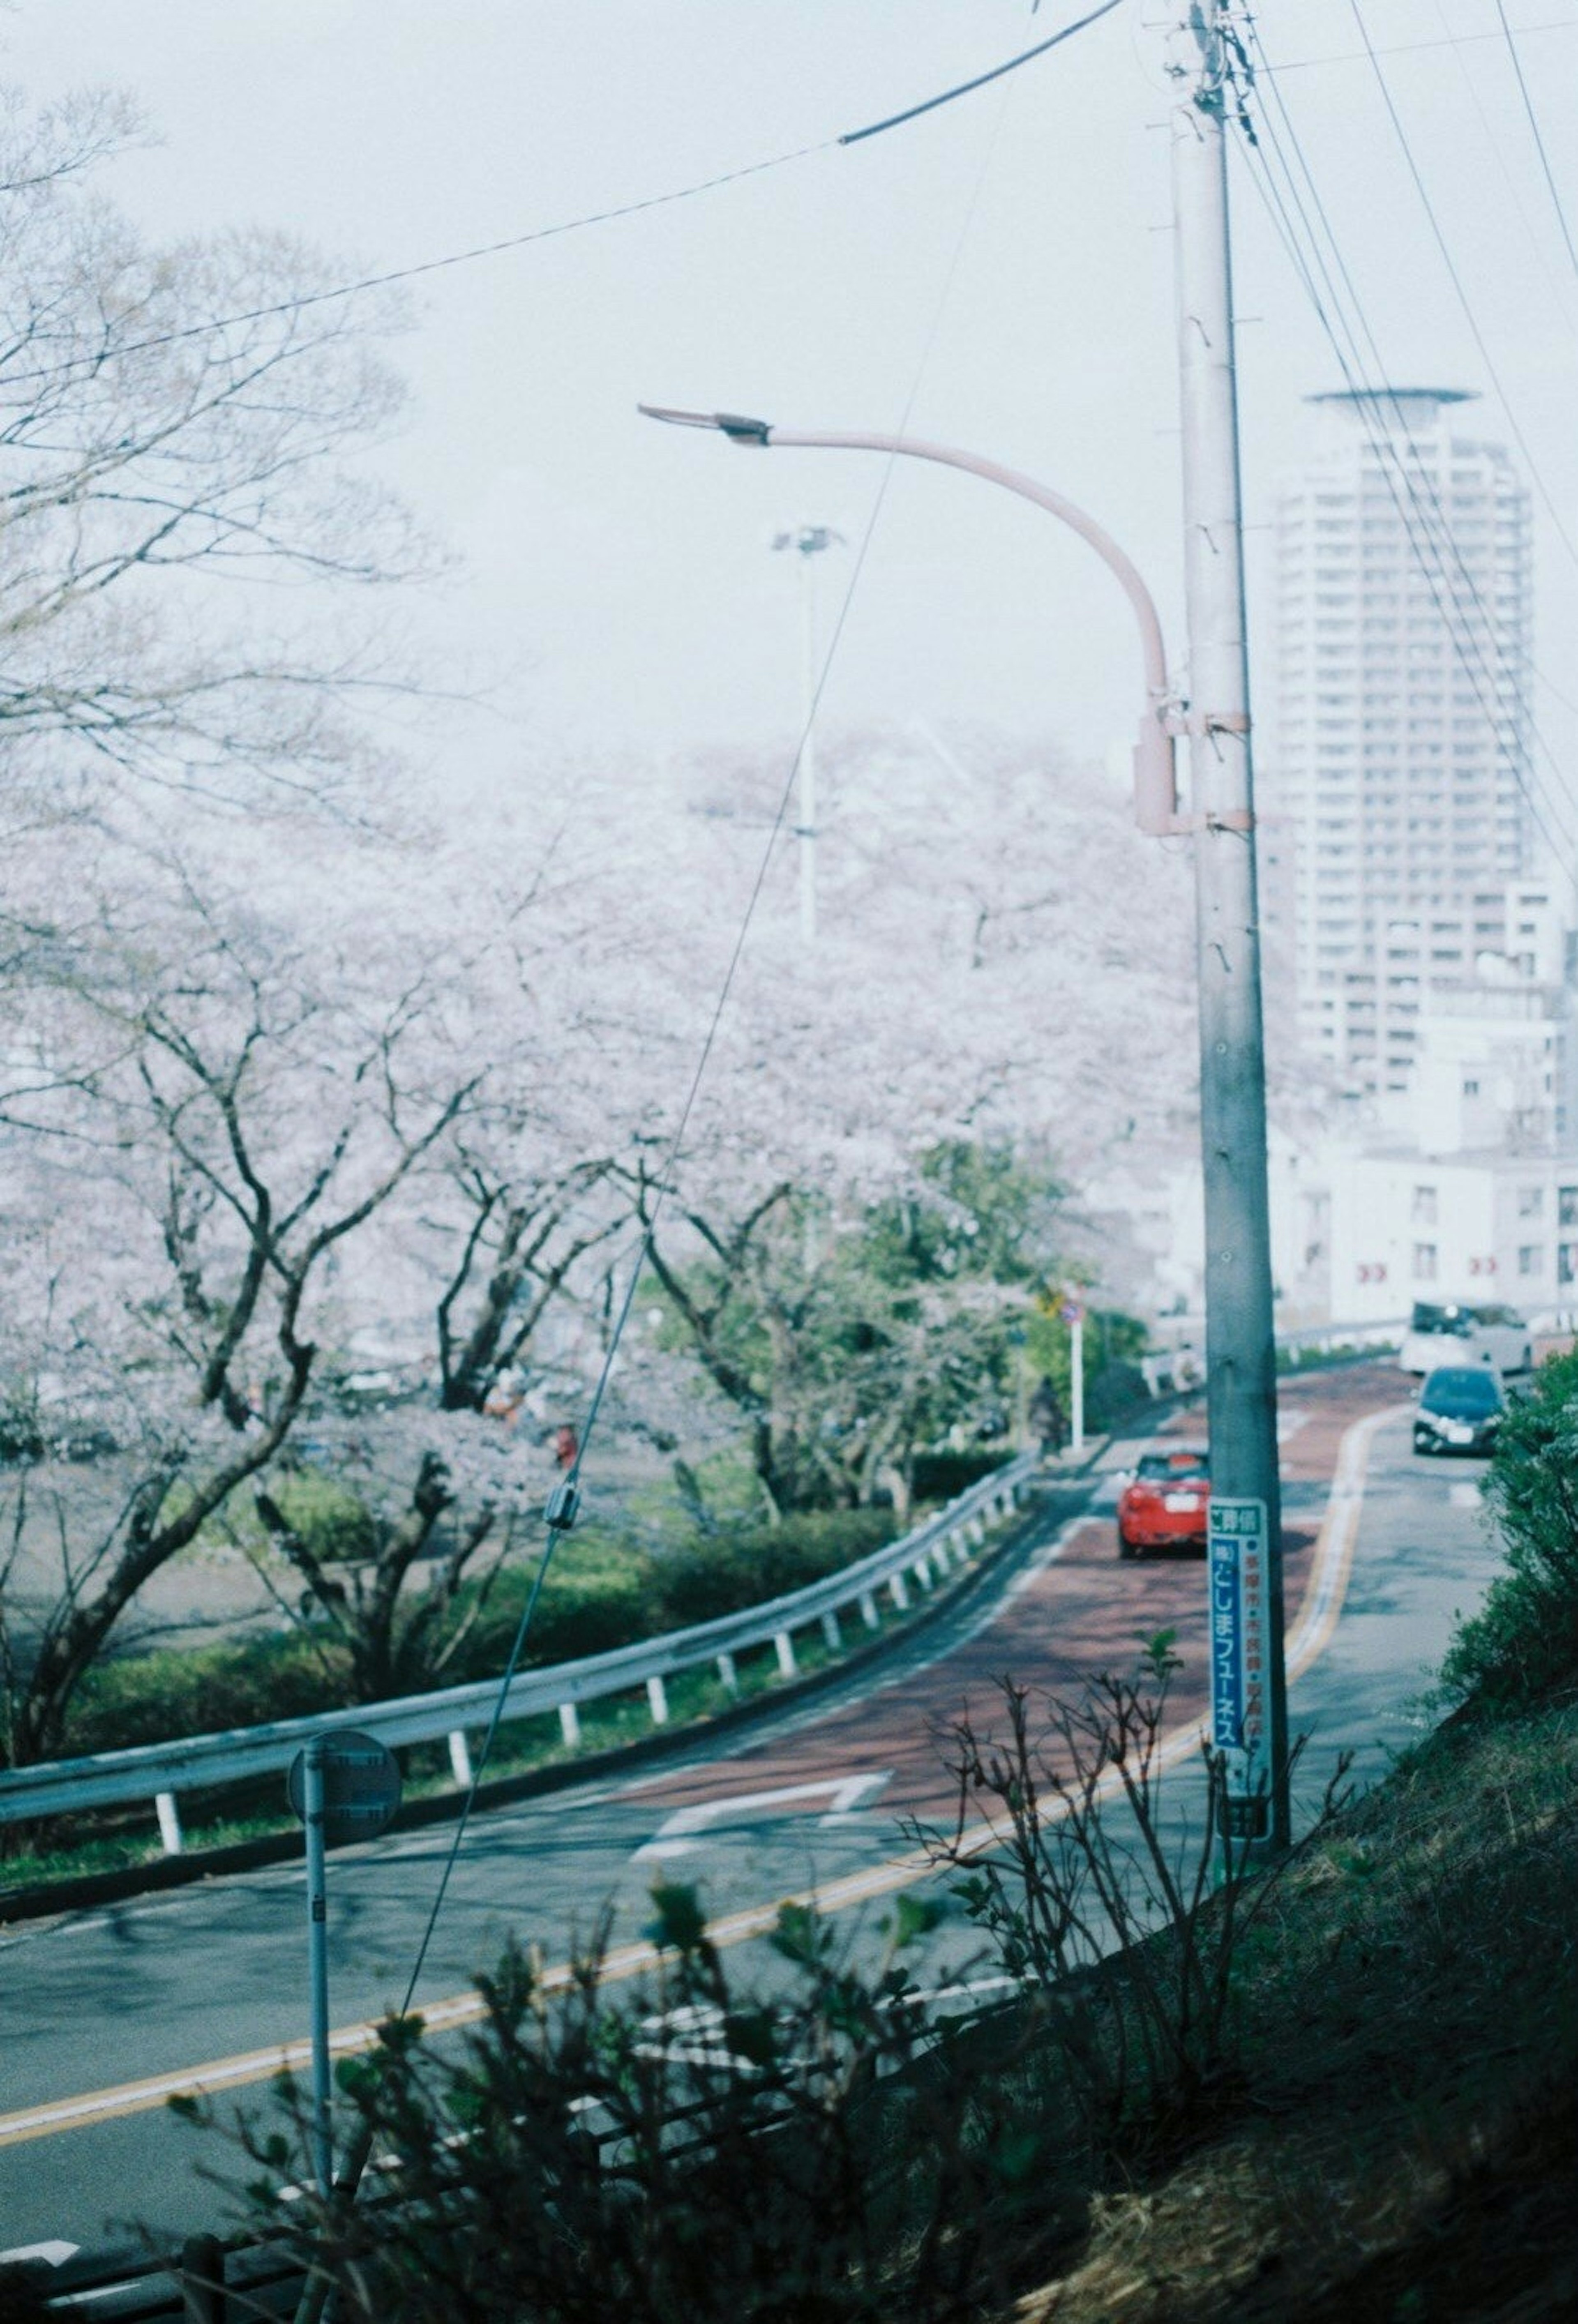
<point>1413,406</point>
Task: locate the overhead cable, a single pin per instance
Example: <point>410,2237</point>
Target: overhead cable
<point>391,276</point>
<point>1538,140</point>
<point>1343,284</point>
<point>1558,290</point>
<point>1403,488</point>
<point>1412,48</point>
<point>568,1493</point>
<point>968,88</point>
<point>1492,373</point>
<point>1399,477</point>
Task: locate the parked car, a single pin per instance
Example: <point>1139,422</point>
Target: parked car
<point>1457,1334</point>
<point>1461,1409</point>
<point>1164,1504</point>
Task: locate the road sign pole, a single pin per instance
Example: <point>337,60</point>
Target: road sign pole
<point>1241,1375</point>
<point>318,1959</point>
<point>1076,1386</point>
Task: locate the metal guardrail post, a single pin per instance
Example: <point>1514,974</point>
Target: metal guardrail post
<point>159,1771</point>
<point>169,1816</point>
<point>202,2277</point>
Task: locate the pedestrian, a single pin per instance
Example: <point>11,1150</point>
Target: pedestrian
<point>567,1445</point>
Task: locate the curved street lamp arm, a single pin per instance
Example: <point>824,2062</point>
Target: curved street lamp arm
<point>1155,775</point>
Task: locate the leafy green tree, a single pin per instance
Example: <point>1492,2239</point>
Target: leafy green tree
<point>850,1343</point>
<point>1523,1642</point>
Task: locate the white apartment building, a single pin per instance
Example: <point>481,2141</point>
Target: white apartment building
<point>1397,777</point>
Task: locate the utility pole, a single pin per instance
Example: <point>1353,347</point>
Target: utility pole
<point>808,540</point>
<point>1248,1682</point>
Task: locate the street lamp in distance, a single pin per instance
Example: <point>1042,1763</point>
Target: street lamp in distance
<point>807,541</point>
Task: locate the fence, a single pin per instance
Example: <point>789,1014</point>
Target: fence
<point>161,1771</point>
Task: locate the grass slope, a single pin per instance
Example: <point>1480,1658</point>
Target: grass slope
<point>1402,2144</point>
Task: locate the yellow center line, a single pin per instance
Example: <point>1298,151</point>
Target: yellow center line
<point>1329,1570</point>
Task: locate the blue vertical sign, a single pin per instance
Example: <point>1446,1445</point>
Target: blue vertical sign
<point>1240,1616</point>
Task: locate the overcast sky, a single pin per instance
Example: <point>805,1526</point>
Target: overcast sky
<point>617,581</point>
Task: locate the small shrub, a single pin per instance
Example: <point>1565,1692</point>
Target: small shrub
<point>1117,1390</point>
<point>728,1572</point>
<point>1522,1646</point>
<point>825,2153</point>
<point>154,1698</point>
<point>1132,1940</point>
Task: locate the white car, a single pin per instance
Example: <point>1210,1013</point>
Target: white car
<point>1457,1334</point>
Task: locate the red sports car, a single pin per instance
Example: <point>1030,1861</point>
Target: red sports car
<point>1165,1503</point>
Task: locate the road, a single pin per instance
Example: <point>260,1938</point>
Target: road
<point>102,2011</point>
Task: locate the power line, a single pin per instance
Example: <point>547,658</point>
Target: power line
<point>1444,536</point>
<point>396,275</point>
<point>1558,290</point>
<point>1538,140</point>
<point>1412,48</point>
<point>1400,480</point>
<point>391,276</point>
<point>968,88</point>
<point>1457,280</point>
<point>1468,648</point>
<point>357,2157</point>
<point>1350,288</point>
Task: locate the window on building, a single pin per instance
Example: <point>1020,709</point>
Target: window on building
<point>1424,1262</point>
<point>1567,1262</point>
<point>1471,1087</point>
<point>1531,1202</point>
<point>1567,1206</point>
<point>1531,1258</point>
<point>1423,1206</point>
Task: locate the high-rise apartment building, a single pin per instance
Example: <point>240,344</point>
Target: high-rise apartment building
<point>1398,778</point>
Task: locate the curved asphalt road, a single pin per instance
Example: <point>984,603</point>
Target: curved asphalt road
<point>99,2011</point>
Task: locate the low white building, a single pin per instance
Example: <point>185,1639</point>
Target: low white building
<point>1400,1226</point>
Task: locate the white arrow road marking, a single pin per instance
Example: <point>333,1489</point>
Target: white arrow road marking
<point>678,1834</point>
<point>1328,1580</point>
<point>53,2254</point>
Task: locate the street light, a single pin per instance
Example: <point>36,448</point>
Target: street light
<point>809,541</point>
<point>1247,1677</point>
<point>1156,788</point>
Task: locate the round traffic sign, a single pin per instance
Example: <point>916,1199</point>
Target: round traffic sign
<point>361,1786</point>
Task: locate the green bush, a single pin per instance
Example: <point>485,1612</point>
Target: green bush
<point>603,1591</point>
<point>722,1574</point>
<point>151,1698</point>
<point>1117,1390</point>
<point>1522,1646</point>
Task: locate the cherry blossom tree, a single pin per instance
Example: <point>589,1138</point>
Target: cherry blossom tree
<point>179,1209</point>
<point>149,453</point>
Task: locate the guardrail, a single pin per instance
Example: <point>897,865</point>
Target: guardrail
<point>161,1771</point>
<point>1180,1368</point>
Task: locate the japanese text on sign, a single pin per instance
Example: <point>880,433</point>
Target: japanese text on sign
<point>1239,1562</point>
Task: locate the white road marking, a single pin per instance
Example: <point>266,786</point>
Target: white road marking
<point>1317,1618</point>
<point>1464,1496</point>
<point>53,2254</point>
<point>679,1833</point>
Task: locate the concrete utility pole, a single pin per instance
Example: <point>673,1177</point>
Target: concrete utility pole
<point>809,541</point>
<point>1248,1682</point>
